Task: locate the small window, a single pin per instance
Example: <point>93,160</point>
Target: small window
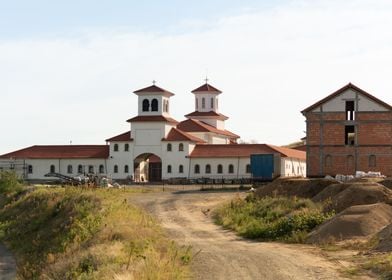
<point>197,103</point>
<point>372,161</point>
<point>101,169</point>
<point>208,169</point>
<point>169,147</point>
<point>145,105</point>
<point>247,168</point>
<point>154,105</point>
<point>349,135</point>
<point>30,169</point>
<point>126,147</point>
<point>203,103</point>
<point>231,168</point>
<point>80,169</point>
<point>220,169</point>
<point>167,106</point>
<point>169,169</point>
<point>350,112</point>
<point>115,169</point>
<point>197,169</point>
<point>126,168</point>
<point>90,169</point>
<point>328,161</point>
<point>69,169</point>
<point>52,169</point>
<point>115,147</point>
<point>181,169</point>
<point>212,102</point>
<point>181,147</point>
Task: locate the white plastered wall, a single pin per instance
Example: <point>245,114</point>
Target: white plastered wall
<point>291,167</point>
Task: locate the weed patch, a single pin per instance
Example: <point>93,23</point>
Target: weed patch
<point>278,218</point>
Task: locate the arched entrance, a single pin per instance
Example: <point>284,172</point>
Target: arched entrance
<point>147,168</point>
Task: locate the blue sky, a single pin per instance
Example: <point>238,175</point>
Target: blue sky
<point>68,68</point>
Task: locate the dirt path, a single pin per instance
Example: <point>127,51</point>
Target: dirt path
<point>223,255</point>
<point>7,264</point>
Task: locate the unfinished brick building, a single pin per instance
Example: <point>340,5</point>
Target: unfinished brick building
<point>348,131</point>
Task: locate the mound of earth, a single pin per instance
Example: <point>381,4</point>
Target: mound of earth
<point>355,222</point>
<point>387,182</point>
<point>330,191</point>
<point>359,194</point>
<point>385,240</point>
<point>300,187</point>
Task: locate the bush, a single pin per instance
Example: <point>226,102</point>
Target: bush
<point>269,218</point>
<point>9,182</point>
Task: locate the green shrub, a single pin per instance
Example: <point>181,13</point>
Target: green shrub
<point>278,218</point>
<point>9,182</point>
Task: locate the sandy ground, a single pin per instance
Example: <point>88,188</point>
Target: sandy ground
<point>222,254</point>
<point>7,264</point>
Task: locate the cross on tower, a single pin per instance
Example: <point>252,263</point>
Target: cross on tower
<point>153,82</point>
<point>206,79</point>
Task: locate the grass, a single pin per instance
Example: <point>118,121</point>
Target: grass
<point>70,233</point>
<point>277,218</point>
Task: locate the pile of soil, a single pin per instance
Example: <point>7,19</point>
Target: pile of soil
<point>355,222</point>
<point>330,191</point>
<point>387,182</point>
<point>300,187</point>
<point>384,240</point>
<point>359,194</point>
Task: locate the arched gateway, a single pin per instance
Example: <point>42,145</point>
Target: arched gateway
<point>147,168</point>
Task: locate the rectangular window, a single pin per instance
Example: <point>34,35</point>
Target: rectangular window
<point>349,135</point>
<point>350,112</point>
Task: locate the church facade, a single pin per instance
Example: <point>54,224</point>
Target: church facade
<point>157,147</point>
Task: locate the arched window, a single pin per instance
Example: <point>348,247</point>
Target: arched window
<point>208,169</point>
<point>126,168</point>
<point>154,105</point>
<point>145,105</point>
<point>90,169</point>
<point>101,169</point>
<point>169,147</point>
<point>231,168</point>
<point>212,102</point>
<point>197,169</point>
<point>115,169</point>
<point>203,103</point>
<point>372,161</point>
<point>328,161</point>
<point>30,169</point>
<point>167,106</point>
<point>220,169</point>
<point>80,168</point>
<point>52,169</point>
<point>115,147</point>
<point>69,169</point>
<point>248,168</point>
<point>126,147</point>
<point>181,147</point>
<point>169,169</point>
<point>181,169</point>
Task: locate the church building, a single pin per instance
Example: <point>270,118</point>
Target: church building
<point>157,147</point>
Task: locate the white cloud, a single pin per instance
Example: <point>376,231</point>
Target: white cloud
<point>270,64</point>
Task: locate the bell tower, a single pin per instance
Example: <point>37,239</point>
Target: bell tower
<point>206,106</point>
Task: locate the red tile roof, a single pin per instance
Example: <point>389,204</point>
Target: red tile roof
<point>206,87</point>
<point>152,119</point>
<point>343,89</point>
<point>192,125</point>
<point>126,136</point>
<point>60,152</point>
<point>242,150</point>
<point>178,135</point>
<point>207,114</point>
<point>152,88</point>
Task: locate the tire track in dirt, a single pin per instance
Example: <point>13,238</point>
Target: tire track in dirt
<point>224,255</point>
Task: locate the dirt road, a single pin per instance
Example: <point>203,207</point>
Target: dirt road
<point>223,255</point>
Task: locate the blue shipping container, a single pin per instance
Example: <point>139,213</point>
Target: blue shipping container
<point>262,166</point>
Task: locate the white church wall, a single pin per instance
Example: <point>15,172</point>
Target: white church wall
<point>239,167</point>
<point>120,158</point>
